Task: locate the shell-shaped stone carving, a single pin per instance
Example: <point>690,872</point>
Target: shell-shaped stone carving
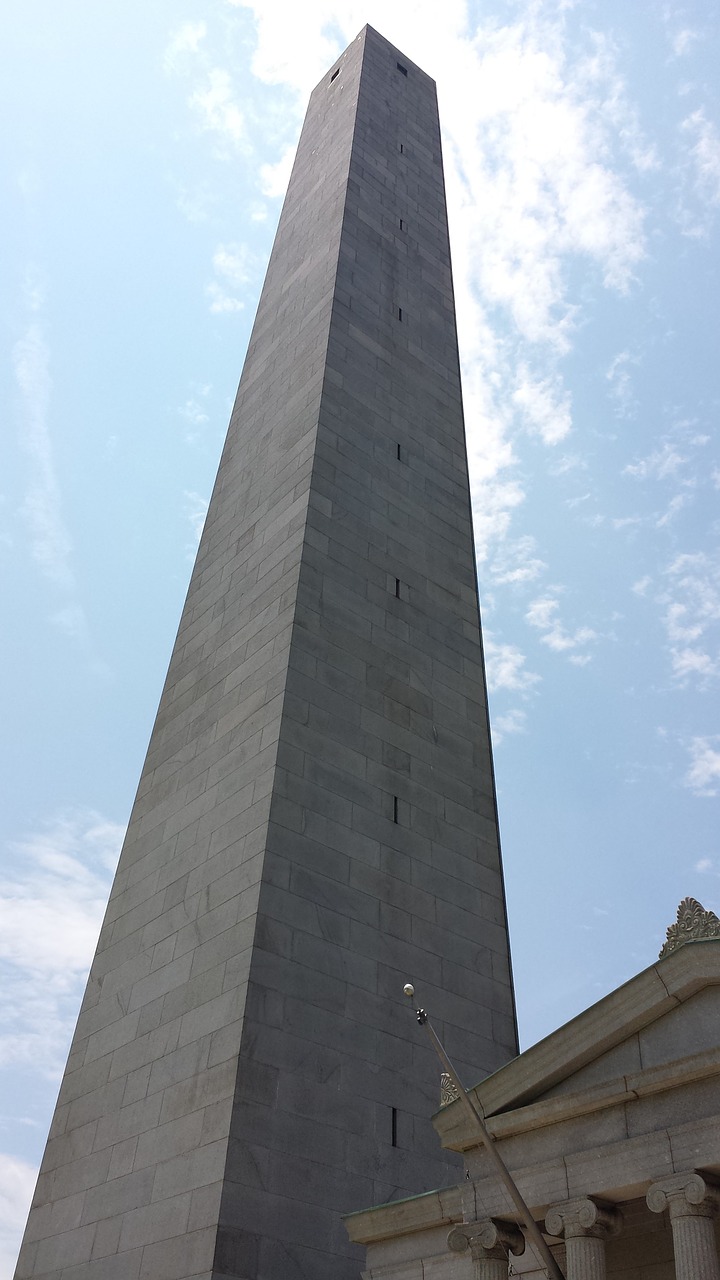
<point>693,924</point>
<point>448,1089</point>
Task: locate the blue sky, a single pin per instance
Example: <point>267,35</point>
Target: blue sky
<point>142,180</point>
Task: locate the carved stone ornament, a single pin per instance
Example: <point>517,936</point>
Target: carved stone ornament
<point>693,924</point>
<point>448,1089</point>
<point>492,1237</point>
<point>583,1217</point>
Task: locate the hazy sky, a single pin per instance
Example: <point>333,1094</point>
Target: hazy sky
<point>142,177</point>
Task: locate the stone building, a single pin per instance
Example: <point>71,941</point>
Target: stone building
<point>611,1129</point>
<point>316,815</point>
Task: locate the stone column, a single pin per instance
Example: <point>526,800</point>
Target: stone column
<point>693,1202</point>
<point>488,1243</point>
<point>585,1226</point>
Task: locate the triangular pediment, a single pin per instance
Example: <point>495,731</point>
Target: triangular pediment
<point>667,1014</point>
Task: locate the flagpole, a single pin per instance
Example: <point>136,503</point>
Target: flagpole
<point>533,1232</point>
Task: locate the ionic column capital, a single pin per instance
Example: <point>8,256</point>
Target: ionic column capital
<point>685,1195</point>
<point>582,1217</point>
<point>693,1202</point>
<point>490,1239</point>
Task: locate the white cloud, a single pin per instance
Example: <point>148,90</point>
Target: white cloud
<point>297,43</point>
<point>194,413</point>
<point>274,178</point>
<point>505,667</point>
<point>674,507</point>
<point>701,170</point>
<point>53,894</point>
<point>703,776</point>
<point>659,465</point>
<point>221,302</point>
<point>683,40</point>
<point>196,508</point>
<point>51,907</point>
<point>516,562</point>
<point>217,108</point>
<point>187,40</point>
<point>692,616</point>
<point>533,133</point>
<point>705,154</point>
<point>49,539</point>
<point>544,405</point>
<point>621,388</point>
<point>231,262</point>
<point>196,204</point>
<point>514,721</point>
<point>567,463</point>
<point>234,267</point>
<point>543,614</point>
<point>17,1183</point>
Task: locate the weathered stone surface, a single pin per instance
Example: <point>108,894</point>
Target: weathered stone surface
<point>315,822</point>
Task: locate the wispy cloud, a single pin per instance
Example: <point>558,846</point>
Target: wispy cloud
<point>505,667</point>
<point>705,153</point>
<point>194,413</point>
<point>196,508</point>
<point>234,268</point>
<point>42,508</point>
<point>703,776</point>
<point>691,617</point>
<point>543,614</point>
<point>17,1183</point>
<point>52,897</point>
<point>51,902</point>
<point>213,98</point>
<point>274,178</point>
<point>187,40</point>
<point>53,891</point>
<point>544,405</point>
<point>217,108</point>
<point>620,383</point>
<point>516,562</point>
<point>503,726</point>
<point>701,149</point>
<point>534,184</point>
<point>659,465</point>
<point>49,540</point>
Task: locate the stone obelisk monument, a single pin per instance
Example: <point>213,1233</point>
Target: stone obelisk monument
<point>315,822</point>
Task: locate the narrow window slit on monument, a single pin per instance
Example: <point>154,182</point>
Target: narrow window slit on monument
<point>334,75</point>
<point>402,149</point>
<point>395,809</point>
<point>393,1125</point>
<point>399,454</point>
<point>401,68</point>
<point>402,225</point>
<point>399,313</point>
<point>397,588</point>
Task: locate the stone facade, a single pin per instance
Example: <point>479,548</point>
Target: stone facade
<point>316,819</point>
<point>611,1129</point>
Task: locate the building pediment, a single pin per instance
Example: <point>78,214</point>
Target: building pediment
<point>654,1034</point>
